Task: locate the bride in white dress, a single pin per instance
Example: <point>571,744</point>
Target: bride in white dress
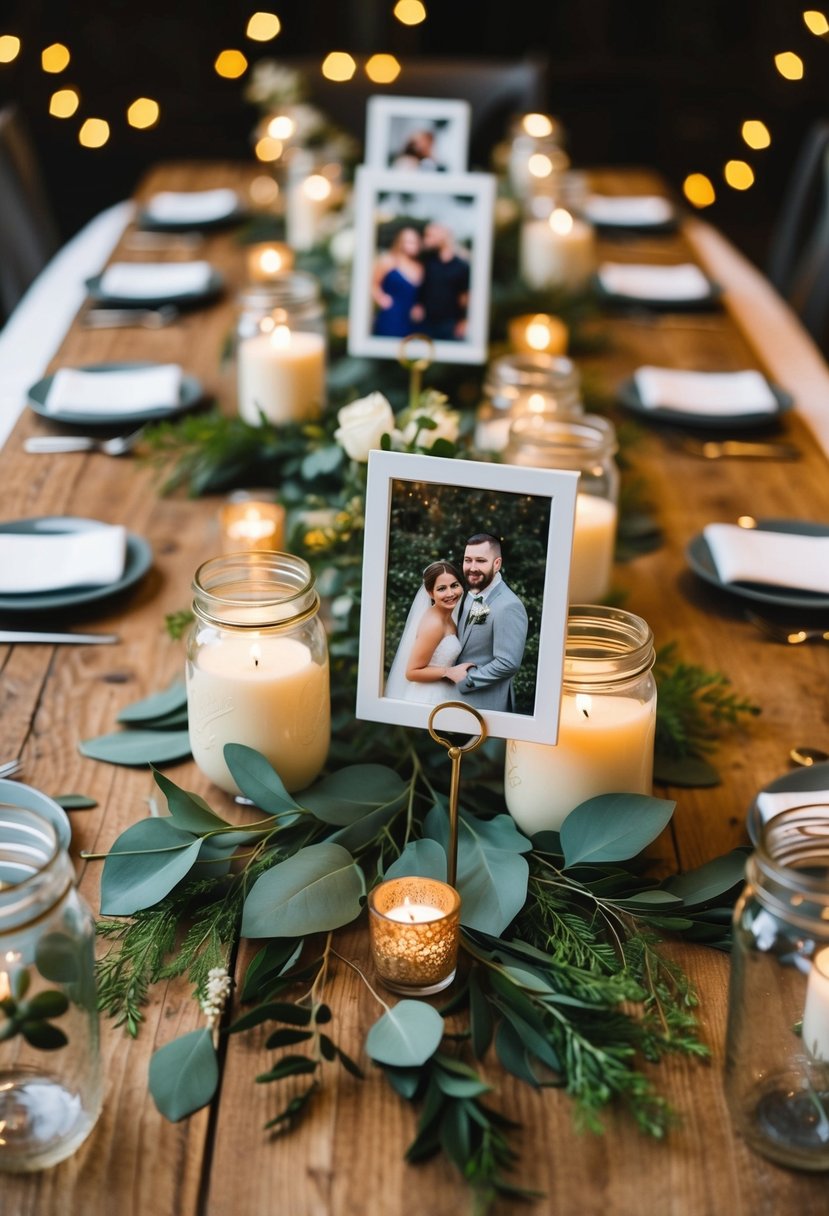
<point>430,644</point>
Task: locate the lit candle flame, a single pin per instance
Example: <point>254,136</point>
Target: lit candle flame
<point>536,403</point>
<point>537,125</point>
<point>540,165</point>
<point>256,653</point>
<point>316,187</point>
<point>407,906</point>
<point>538,334</point>
<point>561,221</point>
<point>281,337</point>
<point>270,261</point>
<point>281,127</point>
<point>584,703</point>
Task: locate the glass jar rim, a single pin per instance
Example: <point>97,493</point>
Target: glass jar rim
<point>289,287</point>
<point>790,865</point>
<point>605,647</point>
<point>30,841</point>
<point>529,368</point>
<point>567,436</point>
<point>254,590</point>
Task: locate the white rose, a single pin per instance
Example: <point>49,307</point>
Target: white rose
<point>448,422</point>
<point>362,425</point>
<point>341,246</point>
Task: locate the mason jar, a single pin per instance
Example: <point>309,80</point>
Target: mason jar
<point>50,1066</point>
<point>606,725</point>
<point>777,1042</point>
<point>587,444</point>
<point>281,348</point>
<point>257,667</point>
<point>514,384</point>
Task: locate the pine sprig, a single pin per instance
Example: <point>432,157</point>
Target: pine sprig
<point>693,704</point>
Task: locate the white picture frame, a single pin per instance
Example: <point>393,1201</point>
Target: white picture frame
<point>443,289</point>
<point>401,485</point>
<point>427,134</point>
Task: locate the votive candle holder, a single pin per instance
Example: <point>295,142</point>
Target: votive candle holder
<point>414,926</point>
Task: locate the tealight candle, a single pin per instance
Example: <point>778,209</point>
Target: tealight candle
<point>559,251</point>
<point>606,725</point>
<point>538,332</point>
<point>414,924</point>
<point>266,262</point>
<point>816,1011</point>
<point>252,525</point>
<point>281,375</point>
<point>306,205</point>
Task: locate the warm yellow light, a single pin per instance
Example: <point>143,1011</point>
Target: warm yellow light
<point>281,127</point>
<point>63,103</point>
<point>338,65</point>
<point>538,334</point>
<point>268,149</point>
<point>94,133</point>
<point>537,125</point>
<point>540,165</point>
<point>264,190</point>
<point>316,187</point>
<point>143,113</point>
<point>263,26</point>
<point>230,64</point>
<point>54,58</point>
<point>382,69</point>
<point>816,22</point>
<point>9,47</point>
<point>699,190</point>
<point>738,174</point>
<point>756,133</point>
<point>410,12</point>
<point>561,221</point>
<point>789,65</point>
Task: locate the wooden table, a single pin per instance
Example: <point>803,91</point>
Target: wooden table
<point>347,1158</point>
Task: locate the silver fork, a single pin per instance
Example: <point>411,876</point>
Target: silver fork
<point>118,445</point>
<point>11,768</point>
<point>148,318</point>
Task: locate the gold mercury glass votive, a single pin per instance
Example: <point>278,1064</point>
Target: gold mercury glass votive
<point>414,924</point>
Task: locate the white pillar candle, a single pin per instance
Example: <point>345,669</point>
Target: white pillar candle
<point>266,692</point>
<point>605,746</point>
<point>307,202</point>
<point>414,914</point>
<point>594,540</point>
<point>559,251</point>
<point>282,375</point>
<point>816,1010</point>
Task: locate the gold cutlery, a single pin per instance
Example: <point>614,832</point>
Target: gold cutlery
<point>807,756</point>
<point>719,449</point>
<point>790,635</point>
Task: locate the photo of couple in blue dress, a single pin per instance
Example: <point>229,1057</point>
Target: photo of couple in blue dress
<point>420,282</point>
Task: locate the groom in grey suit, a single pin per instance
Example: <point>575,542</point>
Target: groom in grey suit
<point>492,627</point>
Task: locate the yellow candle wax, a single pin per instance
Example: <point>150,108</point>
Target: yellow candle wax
<point>594,539</point>
<point>282,375</point>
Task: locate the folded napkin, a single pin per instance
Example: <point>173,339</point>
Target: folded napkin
<point>127,390</point>
<point>684,281</point>
<point>154,280</point>
<point>704,392</point>
<point>772,804</point>
<point>34,563</point>
<point>781,559</point>
<point>192,206</point>
<point>640,210</point>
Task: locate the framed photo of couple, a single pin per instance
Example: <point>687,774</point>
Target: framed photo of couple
<point>464,597</point>
<point>427,134</point>
<point>422,263</point>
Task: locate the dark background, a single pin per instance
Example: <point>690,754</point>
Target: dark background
<point>665,83</point>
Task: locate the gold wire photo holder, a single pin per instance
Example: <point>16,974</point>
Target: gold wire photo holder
<point>417,352</point>
<point>456,753</point>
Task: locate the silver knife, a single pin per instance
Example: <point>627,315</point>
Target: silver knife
<point>12,636</point>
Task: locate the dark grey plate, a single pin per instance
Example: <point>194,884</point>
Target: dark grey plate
<point>191,393</point>
<point>702,563</point>
<point>138,561</point>
<point>628,396</point>
<point>215,284</point>
<point>148,223</point>
<point>699,304</point>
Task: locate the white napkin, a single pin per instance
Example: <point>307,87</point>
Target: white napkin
<point>683,281</point>
<point>772,804</point>
<point>638,210</point>
<point>126,391</point>
<point>782,559</point>
<point>34,563</point>
<point>704,392</point>
<point>154,280</point>
<point>192,206</point>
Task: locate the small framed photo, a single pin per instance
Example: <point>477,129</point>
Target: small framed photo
<point>424,134</point>
<point>464,598</point>
<point>422,263</point>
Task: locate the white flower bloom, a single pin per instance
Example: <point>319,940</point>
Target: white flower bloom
<point>363,424</point>
<point>341,246</point>
<point>217,990</point>
<point>447,422</point>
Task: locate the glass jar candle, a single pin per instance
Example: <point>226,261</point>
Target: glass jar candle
<point>606,725</point>
<point>777,1042</point>
<point>257,667</point>
<point>281,350</point>
<point>50,1067</point>
<point>557,250</point>
<point>414,927</point>
<point>535,381</point>
<point>587,444</point>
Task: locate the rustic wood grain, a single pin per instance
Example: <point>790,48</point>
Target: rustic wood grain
<point>347,1159</point>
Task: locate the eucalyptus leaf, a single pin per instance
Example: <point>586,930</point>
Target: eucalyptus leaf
<point>711,881</point>
<point>188,811</point>
<point>481,1022</point>
<point>351,793</point>
<point>356,835</point>
<point>649,899</point>
<point>404,1081</point>
<point>57,958</point>
<point>420,859</point>
<point>144,864</point>
<point>492,874</point>
<point>322,460</point>
<point>288,1066</point>
<point>184,1074</point>
<point>49,1003</point>
<point>512,1054</point>
<point>613,827</point>
<point>258,780</point>
<point>319,888</point>
<point>138,746</point>
<point>173,698</point>
<point>406,1035</point>
<point>268,965</point>
<point>75,802</point>
<point>688,771</point>
<point>43,1035</point>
